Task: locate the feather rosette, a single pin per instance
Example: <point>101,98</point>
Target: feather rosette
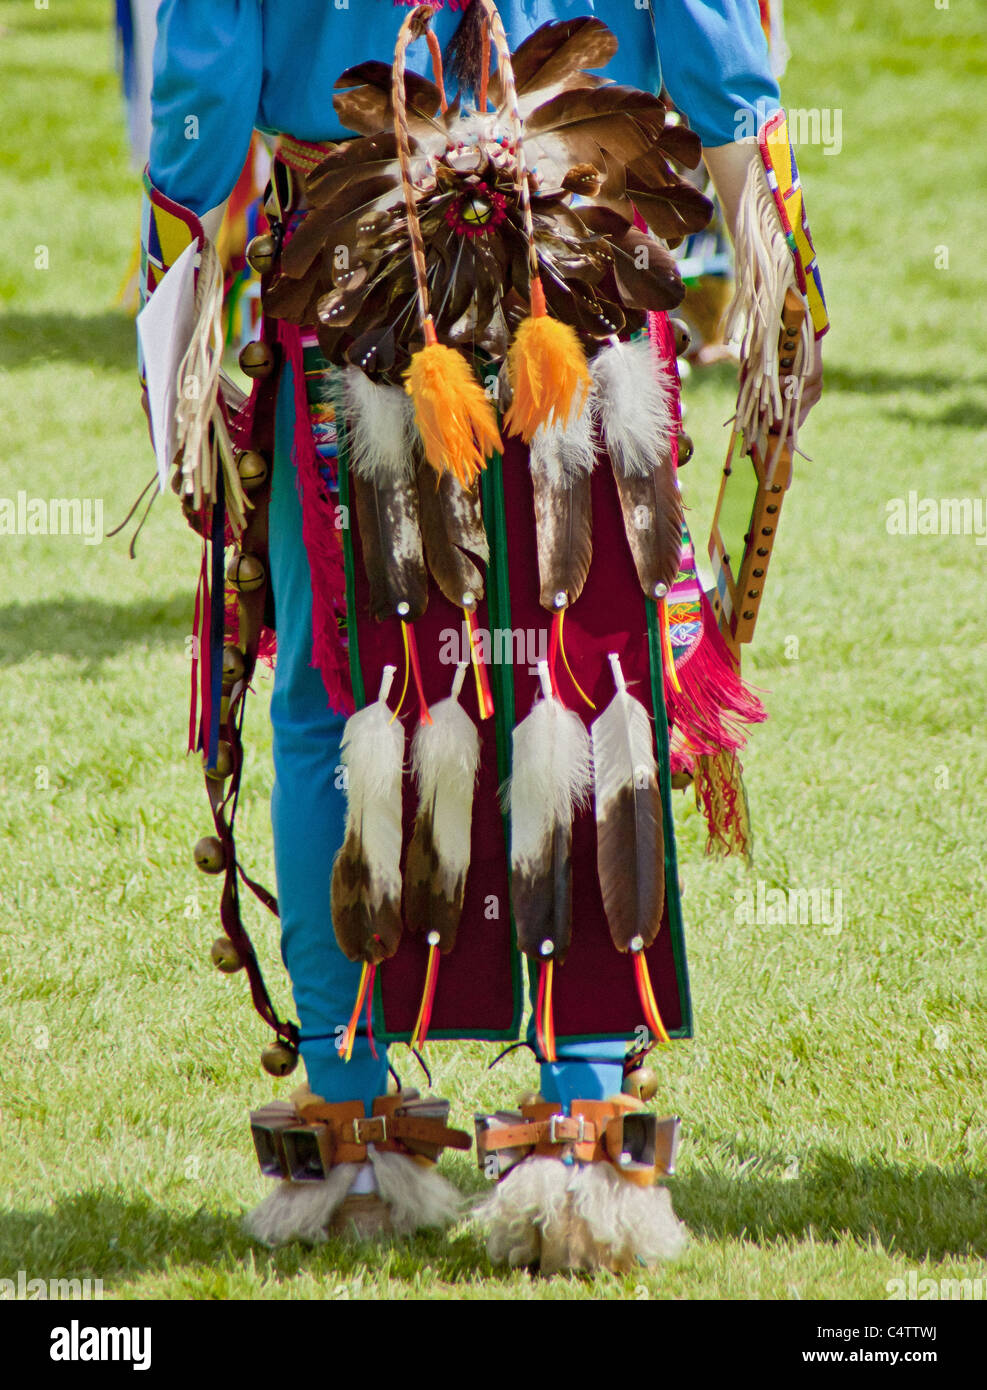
<point>348,267</point>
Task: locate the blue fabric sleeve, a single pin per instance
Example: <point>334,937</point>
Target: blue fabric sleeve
<point>714,62</point>
<point>207,79</point>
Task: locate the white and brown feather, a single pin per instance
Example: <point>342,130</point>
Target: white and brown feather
<point>366,876</point>
<point>445,759</point>
<point>630,844</point>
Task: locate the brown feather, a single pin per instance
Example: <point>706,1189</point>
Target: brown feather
<point>541,900</point>
<point>387,513</point>
<point>564,524</point>
<point>630,837</point>
<point>450,526</point>
<point>683,145</point>
<point>323,231</point>
<point>666,209</point>
<point>427,907</point>
<point>642,281</point>
<point>363,100</point>
<point>353,155</point>
<point>360,933</point>
<point>630,853</point>
<point>652,511</point>
<point>596,109</point>
<point>555,55</point>
<point>646,274</point>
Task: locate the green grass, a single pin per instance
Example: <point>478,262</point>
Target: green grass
<point>833,1097</point>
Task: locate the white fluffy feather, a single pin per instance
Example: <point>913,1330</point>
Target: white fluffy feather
<point>381,423</point>
<point>445,759</point>
<point>372,751</point>
<point>552,775</point>
<point>632,401</point>
<point>622,745</point>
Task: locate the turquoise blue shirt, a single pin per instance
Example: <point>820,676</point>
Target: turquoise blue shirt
<point>224,67</point>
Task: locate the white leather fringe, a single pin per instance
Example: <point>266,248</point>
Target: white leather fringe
<point>764,271</point>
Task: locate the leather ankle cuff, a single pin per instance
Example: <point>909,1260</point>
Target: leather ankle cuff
<point>639,1145</point>
<point>304,1138</point>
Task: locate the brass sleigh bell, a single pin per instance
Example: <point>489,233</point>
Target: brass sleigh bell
<point>225,956</point>
<point>209,855</point>
<point>234,666</point>
<point>686,448</point>
<point>262,252</point>
<point>278,1059</point>
<point>245,574</point>
<point>642,1083</point>
<point>257,360</point>
<point>682,336</point>
<point>252,468</point>
<point>224,763</point>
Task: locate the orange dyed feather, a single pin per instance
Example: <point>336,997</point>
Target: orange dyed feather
<point>455,417</point>
<point>548,374</point>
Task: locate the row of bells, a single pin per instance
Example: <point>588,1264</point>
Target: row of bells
<point>209,854</point>
<point>682,339</point>
<point>278,1058</point>
<point>209,851</point>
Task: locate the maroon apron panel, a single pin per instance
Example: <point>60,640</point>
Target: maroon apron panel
<point>595,989</point>
<point>475,988</point>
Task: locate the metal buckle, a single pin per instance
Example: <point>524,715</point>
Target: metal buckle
<point>553,1136</point>
<point>364,1133</point>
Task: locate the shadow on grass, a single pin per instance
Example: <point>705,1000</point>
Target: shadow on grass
<point>90,629</point>
<point>875,381</point>
<point>965,415</point>
<point>923,1213</point>
<point>107,339</point>
<point>100,1235</point>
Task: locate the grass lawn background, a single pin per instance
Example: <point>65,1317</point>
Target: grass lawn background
<point>834,1093</point>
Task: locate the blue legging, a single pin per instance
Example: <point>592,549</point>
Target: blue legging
<point>308,811</point>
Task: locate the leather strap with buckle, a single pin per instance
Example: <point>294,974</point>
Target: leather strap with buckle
<point>618,1131</point>
<point>310,1136</point>
<point>557,1131</point>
